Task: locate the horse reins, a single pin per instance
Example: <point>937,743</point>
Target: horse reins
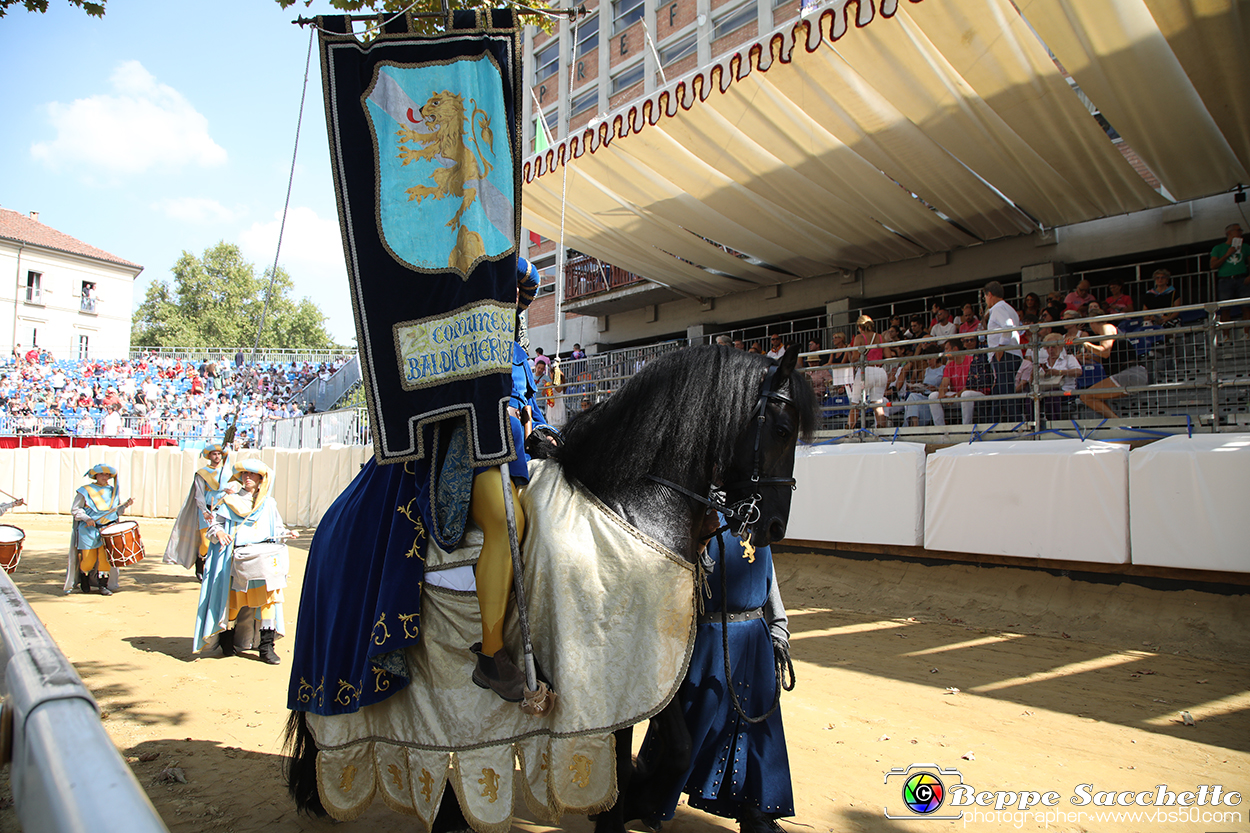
<point>744,513</point>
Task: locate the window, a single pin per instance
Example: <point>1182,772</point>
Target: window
<point>735,19</point>
<point>546,61</point>
<point>540,137</point>
<point>586,101</point>
<point>34,295</point>
<point>87,303</point>
<point>679,49</point>
<point>625,13</point>
<point>627,78</point>
<point>587,36</point>
<point>82,347</point>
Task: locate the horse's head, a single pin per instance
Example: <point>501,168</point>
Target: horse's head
<point>759,481</point>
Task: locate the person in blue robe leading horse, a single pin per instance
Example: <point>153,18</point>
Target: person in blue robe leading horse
<point>245,572</point>
<point>95,505</point>
<point>730,701</point>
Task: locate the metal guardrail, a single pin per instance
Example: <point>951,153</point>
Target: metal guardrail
<point>226,355</point>
<point>324,395</point>
<point>66,774</point>
<point>349,426</point>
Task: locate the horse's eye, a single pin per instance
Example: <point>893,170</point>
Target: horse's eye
<point>782,431</point>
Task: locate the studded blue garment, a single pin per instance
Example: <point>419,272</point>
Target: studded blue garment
<point>734,762</point>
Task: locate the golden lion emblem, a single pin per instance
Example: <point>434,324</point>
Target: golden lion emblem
<point>445,121</point>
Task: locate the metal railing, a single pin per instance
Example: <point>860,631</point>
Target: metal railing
<point>349,426</point>
<point>226,355</point>
<point>66,774</point>
<point>325,394</point>
<point>585,276</point>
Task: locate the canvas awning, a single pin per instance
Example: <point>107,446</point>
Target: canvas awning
<point>918,128</point>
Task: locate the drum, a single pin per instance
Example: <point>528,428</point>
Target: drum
<point>122,543</point>
<point>11,539</point>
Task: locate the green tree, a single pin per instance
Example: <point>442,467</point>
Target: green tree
<point>389,7</point>
<point>93,9</point>
<point>217,301</point>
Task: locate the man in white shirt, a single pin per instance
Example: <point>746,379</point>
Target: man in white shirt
<point>1006,347</point>
<point>113,422</point>
<point>944,327</point>
<point>778,350</point>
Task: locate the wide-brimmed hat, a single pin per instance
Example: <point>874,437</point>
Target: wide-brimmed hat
<point>101,468</point>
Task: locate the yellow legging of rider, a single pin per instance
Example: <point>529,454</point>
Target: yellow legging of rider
<point>494,565</point>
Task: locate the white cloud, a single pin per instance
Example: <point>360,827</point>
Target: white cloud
<point>197,210</point>
<point>312,253</point>
<point>142,125</point>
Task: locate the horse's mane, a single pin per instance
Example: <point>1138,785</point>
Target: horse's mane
<point>677,418</point>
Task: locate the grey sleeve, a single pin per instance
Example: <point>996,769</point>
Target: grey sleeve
<point>775,612</point>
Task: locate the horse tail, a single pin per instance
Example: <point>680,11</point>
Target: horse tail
<point>299,765</point>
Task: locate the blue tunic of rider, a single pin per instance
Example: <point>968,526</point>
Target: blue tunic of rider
<point>735,764</point>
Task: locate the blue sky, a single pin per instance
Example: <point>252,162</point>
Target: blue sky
<point>167,126</point>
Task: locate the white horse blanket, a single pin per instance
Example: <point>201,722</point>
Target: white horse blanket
<point>612,621</point>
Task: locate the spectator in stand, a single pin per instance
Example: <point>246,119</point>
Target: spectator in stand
<point>1118,301</point>
<point>539,358</point>
<point>1162,296</point>
<point>869,384</point>
<point>739,344</point>
<point>954,380</point>
<point>113,421</point>
<point>1006,346</point>
<point>968,322</point>
<point>839,344</point>
<point>110,398</point>
<point>1079,297</point>
<point>980,383</point>
<point>1032,305</point>
<point>1026,319</point>
<point>777,348</point>
<point>943,327</point>
<point>1122,365</point>
<point>918,390</point>
<point>1057,371</point>
<point>1228,261</point>
<point>915,329</point>
<point>578,352</point>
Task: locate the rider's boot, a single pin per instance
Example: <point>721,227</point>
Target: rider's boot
<point>226,640</point>
<point>84,583</point>
<point>498,673</point>
<point>103,578</point>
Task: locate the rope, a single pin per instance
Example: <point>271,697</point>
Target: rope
<point>376,27</point>
<point>724,631</point>
<point>564,191</point>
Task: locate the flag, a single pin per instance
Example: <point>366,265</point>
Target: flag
<point>425,148</point>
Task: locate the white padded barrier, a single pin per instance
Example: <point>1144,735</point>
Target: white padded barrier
<point>867,493</point>
<point>1058,499</point>
<point>307,480</point>
<point>1189,502</point>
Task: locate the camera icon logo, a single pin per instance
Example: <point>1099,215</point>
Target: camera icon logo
<point>923,791</point>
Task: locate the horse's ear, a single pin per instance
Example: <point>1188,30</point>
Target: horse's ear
<point>789,360</point>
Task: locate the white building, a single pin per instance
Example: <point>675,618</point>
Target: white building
<point>63,295</point>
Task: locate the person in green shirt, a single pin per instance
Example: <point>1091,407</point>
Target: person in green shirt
<point>1228,261</point>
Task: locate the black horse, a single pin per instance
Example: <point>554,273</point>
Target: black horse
<point>703,429</point>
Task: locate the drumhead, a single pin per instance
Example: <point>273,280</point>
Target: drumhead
<point>10,534</point>
<point>118,528</point>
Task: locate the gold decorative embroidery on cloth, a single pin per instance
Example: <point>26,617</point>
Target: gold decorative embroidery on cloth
<point>381,679</point>
<point>386,633</point>
<point>615,658</point>
<point>490,784</point>
<point>411,624</point>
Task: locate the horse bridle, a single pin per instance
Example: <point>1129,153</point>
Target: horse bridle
<point>740,516</point>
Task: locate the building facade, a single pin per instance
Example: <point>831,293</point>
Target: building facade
<point>63,295</point>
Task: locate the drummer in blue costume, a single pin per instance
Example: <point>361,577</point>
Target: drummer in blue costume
<point>188,540</point>
<point>239,610</point>
<point>738,769</point>
<point>95,505</point>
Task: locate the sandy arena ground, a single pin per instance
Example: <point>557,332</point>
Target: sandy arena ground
<point>1019,679</point>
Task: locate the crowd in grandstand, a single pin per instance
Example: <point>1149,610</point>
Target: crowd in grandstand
<point>152,395</point>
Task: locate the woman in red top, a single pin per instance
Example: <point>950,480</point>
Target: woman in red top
<point>869,383</point>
